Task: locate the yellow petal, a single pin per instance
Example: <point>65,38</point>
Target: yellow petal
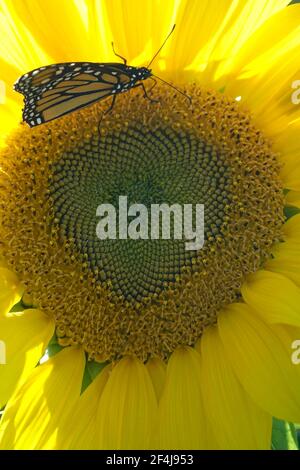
<point>286,260</point>
<point>261,356</point>
<point>270,35</point>
<point>10,290</point>
<point>80,431</point>
<point>286,255</point>
<point>127,413</point>
<point>10,116</point>
<point>238,422</point>
<point>19,46</point>
<point>199,26</point>
<point>26,336</point>
<point>182,423</point>
<point>157,371</point>
<point>291,229</point>
<point>137,28</point>
<point>56,25</point>
<point>293,198</point>
<point>42,404</point>
<point>268,64</point>
<point>238,26</point>
<point>213,33</point>
<point>10,100</point>
<point>274,297</point>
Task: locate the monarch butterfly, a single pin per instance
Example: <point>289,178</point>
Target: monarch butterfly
<point>55,90</point>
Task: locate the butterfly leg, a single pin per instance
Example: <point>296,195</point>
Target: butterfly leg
<point>151,88</point>
<point>145,92</point>
<point>111,106</point>
<point>108,110</point>
<point>118,55</point>
<point>154,84</point>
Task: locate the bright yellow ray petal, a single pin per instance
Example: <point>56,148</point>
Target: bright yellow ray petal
<point>26,336</point>
<point>99,37</point>
<point>286,255</point>
<point>286,260</point>
<point>10,290</point>
<point>9,75</point>
<point>238,422</point>
<point>127,413</point>
<point>33,415</point>
<point>80,431</point>
<point>274,297</point>
<point>10,116</point>
<point>261,357</point>
<point>10,100</point>
<point>57,26</point>
<point>199,27</point>
<point>269,39</point>
<point>18,45</point>
<point>182,423</point>
<point>247,17</point>
<point>293,198</point>
<point>291,229</point>
<point>214,31</point>
<point>157,371</point>
<point>137,28</point>
<point>267,65</point>
<point>227,26</point>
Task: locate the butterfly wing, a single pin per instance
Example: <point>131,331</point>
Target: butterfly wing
<point>55,90</point>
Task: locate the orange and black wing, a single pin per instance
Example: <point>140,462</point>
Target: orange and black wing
<point>55,90</point>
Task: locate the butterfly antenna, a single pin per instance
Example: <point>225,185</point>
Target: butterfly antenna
<point>161,46</point>
<point>174,87</point>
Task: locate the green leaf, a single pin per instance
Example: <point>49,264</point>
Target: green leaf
<point>290,211</point>
<point>283,435</point>
<point>297,429</point>
<point>92,369</point>
<point>19,307</point>
<point>53,349</point>
<point>95,368</point>
<point>86,380</point>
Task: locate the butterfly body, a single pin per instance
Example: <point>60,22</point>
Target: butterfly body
<point>55,90</point>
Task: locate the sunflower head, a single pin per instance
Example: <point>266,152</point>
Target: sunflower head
<point>150,344</point>
<point>139,296</point>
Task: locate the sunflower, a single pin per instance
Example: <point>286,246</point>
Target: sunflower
<point>149,345</point>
